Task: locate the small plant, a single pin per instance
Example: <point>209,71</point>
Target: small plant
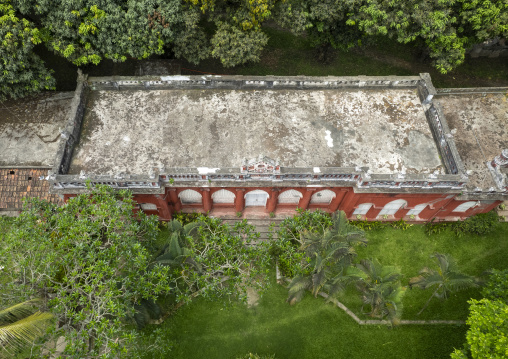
<point>358,216</point>
<point>412,216</point>
<point>369,225</point>
<point>171,180</point>
<point>385,216</point>
<point>502,206</point>
<point>432,227</point>
<point>272,215</point>
<point>238,214</point>
<point>400,224</point>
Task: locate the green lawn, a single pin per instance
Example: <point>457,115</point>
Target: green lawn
<point>310,329</point>
<point>315,329</point>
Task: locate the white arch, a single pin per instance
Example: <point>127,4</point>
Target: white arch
<point>256,198</point>
<point>223,196</point>
<point>417,209</point>
<point>323,197</point>
<point>392,207</point>
<point>464,206</point>
<point>189,196</point>
<point>290,196</point>
<point>362,209</point>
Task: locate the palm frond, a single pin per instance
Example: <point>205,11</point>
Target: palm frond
<point>18,311</point>
<point>16,335</point>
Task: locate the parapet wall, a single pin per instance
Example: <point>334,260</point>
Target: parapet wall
<point>360,178</point>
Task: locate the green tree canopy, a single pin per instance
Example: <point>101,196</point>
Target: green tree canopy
<point>89,260</point>
<point>22,72</point>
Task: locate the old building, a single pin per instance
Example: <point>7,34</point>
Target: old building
<point>376,147</point>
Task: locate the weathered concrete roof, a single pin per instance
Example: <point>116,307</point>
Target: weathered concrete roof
<point>30,128</point>
<point>480,126</point>
<point>134,131</point>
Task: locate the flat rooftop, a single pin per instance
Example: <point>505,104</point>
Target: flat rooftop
<point>480,126</point>
<point>30,129</point>
<point>133,131</point>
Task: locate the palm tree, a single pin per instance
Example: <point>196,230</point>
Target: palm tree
<point>446,278</point>
<point>326,258</point>
<point>21,324</point>
<point>380,289</point>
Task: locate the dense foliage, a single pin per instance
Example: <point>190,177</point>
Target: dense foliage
<point>22,72</point>
<point>487,336</point>
<point>479,224</point>
<point>86,31</point>
<point>212,259</point>
<point>89,261</point>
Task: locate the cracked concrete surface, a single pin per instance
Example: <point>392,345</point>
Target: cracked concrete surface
<point>133,131</point>
<point>30,129</point>
<point>480,124</point>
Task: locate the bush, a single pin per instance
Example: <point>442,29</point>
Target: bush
<point>497,286</point>
<point>479,224</point>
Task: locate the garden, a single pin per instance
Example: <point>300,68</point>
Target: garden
<point>94,279</point>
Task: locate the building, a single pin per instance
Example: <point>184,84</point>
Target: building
<point>376,147</point>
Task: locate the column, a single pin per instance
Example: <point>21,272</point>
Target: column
<point>240,200</point>
<point>175,201</point>
<point>163,207</point>
<point>373,212</point>
<point>207,199</point>
<point>348,202</point>
<point>401,213</point>
<point>305,200</point>
<point>272,201</point>
<point>334,204</point>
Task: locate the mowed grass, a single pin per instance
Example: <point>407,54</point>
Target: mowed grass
<point>310,329</point>
<point>411,251</point>
<point>316,329</point>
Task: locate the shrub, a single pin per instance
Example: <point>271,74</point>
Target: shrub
<point>497,286</point>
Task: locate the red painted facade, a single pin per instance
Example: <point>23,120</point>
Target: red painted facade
<point>439,206</point>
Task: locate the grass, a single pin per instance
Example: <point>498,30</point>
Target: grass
<point>310,329</point>
<point>410,251</point>
<point>316,329</point>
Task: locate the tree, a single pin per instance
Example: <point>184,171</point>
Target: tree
<point>21,71</point>
<point>380,289</point>
<point>212,259</point>
<point>90,261</point>
<point>21,324</point>
<point>446,279</point>
<point>86,31</point>
<point>326,258</point>
<point>487,336</point>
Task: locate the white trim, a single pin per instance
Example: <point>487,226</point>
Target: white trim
<point>323,197</point>
<point>417,209</point>
<point>223,196</point>
<point>463,207</point>
<point>189,196</point>
<point>363,208</point>
<point>290,196</point>
<point>392,207</point>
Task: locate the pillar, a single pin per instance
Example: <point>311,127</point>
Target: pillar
<point>305,200</point>
<point>272,201</point>
<point>175,201</point>
<point>163,207</point>
<point>348,202</point>
<point>373,212</point>
<point>207,199</point>
<point>334,204</point>
<point>401,213</point>
<point>240,200</point>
